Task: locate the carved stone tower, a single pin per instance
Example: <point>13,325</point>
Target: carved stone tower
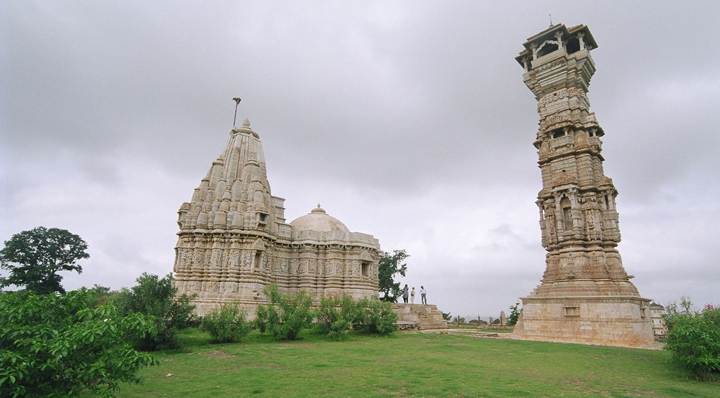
<point>585,295</point>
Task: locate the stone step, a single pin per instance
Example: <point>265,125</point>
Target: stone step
<point>426,316</point>
<point>433,325</point>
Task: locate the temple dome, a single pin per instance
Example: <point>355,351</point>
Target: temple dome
<point>318,220</point>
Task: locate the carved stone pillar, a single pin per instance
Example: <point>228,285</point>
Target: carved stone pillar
<point>585,294</point>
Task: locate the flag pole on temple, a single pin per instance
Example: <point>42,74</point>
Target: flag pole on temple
<point>237,102</point>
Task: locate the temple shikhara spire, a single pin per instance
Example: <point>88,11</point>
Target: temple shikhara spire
<point>234,240</point>
<point>585,295</point>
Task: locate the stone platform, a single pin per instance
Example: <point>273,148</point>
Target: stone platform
<point>613,321</point>
<point>423,315</point>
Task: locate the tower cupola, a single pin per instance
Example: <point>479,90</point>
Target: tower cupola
<point>558,57</point>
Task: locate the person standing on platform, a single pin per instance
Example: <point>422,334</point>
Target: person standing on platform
<point>423,295</point>
<point>412,296</point>
<point>405,294</point>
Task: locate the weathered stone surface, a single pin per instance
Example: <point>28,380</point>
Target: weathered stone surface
<point>660,329</point>
<point>585,295</point>
<point>419,316</point>
<point>234,240</point>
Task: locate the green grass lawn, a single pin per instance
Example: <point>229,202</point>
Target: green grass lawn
<point>419,365</point>
<point>475,329</point>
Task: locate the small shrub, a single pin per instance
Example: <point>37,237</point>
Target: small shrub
<point>193,322</point>
<point>375,317</point>
<point>694,338</point>
<point>226,324</point>
<point>261,318</point>
<point>335,316</point>
<point>286,315</point>
<point>157,297</point>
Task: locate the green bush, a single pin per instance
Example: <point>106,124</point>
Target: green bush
<point>226,324</point>
<point>157,297</point>
<point>335,316</point>
<point>262,316</point>
<point>375,317</point>
<point>57,345</point>
<point>286,315</point>
<point>694,338</point>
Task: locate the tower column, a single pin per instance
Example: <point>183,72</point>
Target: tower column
<point>585,295</point>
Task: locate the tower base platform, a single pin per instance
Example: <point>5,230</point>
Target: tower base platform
<point>607,320</point>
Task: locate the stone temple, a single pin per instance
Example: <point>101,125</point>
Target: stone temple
<point>585,295</point>
<point>234,241</point>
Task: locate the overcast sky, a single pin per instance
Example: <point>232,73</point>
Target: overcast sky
<point>405,120</point>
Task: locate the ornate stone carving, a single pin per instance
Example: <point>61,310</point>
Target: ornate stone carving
<point>585,294</point>
<point>234,239</point>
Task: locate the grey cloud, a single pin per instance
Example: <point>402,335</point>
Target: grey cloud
<point>409,119</point>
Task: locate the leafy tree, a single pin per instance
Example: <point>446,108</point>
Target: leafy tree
<point>514,314</point>
<point>35,257</point>
<point>375,317</point>
<point>157,297</point>
<point>226,324</point>
<point>55,345</point>
<point>694,338</point>
<point>286,315</point>
<point>335,316</point>
<point>447,316</point>
<point>390,266</point>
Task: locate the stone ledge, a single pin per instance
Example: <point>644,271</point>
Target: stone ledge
<point>427,316</point>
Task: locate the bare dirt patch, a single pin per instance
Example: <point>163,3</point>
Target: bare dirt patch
<point>219,354</point>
